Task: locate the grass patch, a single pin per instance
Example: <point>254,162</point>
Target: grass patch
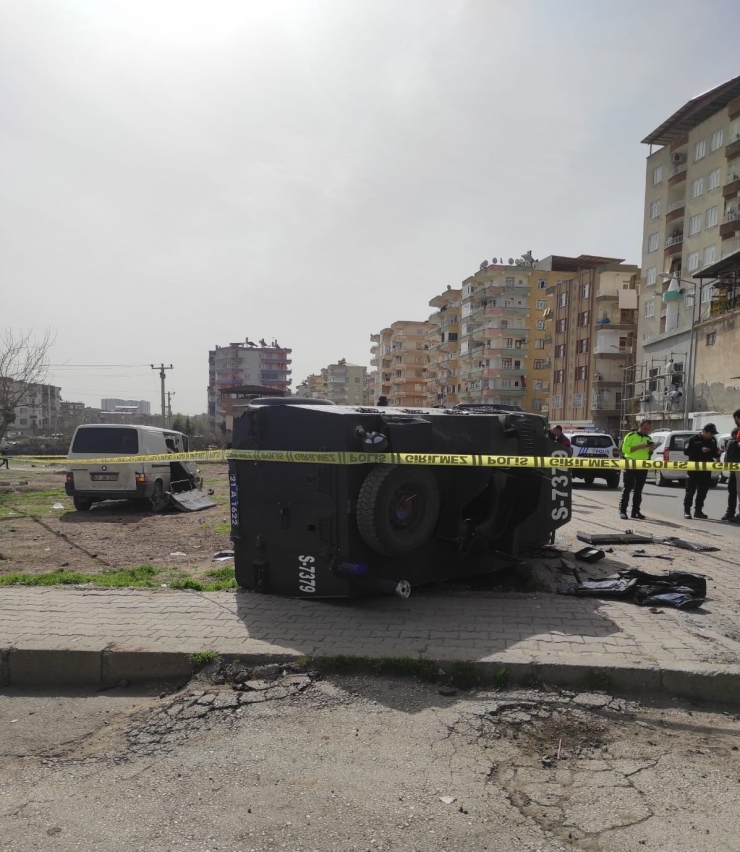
<point>465,675</point>
<point>224,528</point>
<point>203,658</point>
<point>225,573</point>
<point>142,577</point>
<point>502,677</point>
<point>33,502</point>
<point>531,681</point>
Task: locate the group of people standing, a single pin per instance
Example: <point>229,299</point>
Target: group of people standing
<point>702,447</point>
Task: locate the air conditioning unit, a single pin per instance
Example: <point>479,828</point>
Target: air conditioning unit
<point>677,159</point>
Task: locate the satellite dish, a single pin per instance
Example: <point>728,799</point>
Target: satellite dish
<point>484,264</point>
<point>494,260</point>
<point>511,261</point>
<point>449,286</point>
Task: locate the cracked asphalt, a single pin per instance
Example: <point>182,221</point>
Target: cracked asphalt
<point>246,761</point>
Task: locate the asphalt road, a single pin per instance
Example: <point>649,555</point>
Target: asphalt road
<point>668,500</point>
<point>363,765</point>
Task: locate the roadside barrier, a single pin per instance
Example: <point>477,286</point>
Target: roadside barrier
<point>426,459</point>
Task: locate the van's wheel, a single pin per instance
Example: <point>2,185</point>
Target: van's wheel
<point>82,504</point>
<point>714,483</point>
<point>661,480</point>
<point>397,509</point>
<point>588,478</point>
<point>159,500</point>
<point>612,480</point>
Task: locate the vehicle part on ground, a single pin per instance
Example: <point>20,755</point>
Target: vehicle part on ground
<point>631,538</point>
<point>589,554</point>
<point>192,501</point>
<point>297,525</point>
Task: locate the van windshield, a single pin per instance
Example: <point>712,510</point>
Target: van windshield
<point>592,441</point>
<point>107,442</point>
<point>678,442</point>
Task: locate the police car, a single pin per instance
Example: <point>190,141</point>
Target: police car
<point>598,445</point>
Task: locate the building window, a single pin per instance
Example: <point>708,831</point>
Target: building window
<point>655,210</point>
<point>538,363</point>
<point>585,291</point>
<point>540,325</point>
<point>541,304</point>
<point>650,307</point>
<point>714,179</point>
<point>583,319</point>
<point>651,276</point>
<point>579,400</point>
<point>653,242</point>
<point>692,261</point>
<point>689,300</point>
<point>560,350</point>
<point>709,254</point>
<point>504,323</point>
<point>582,345</point>
<point>539,344</point>
<point>657,175</point>
<point>537,384</point>
<point>542,284</point>
<point>452,336</point>
<point>509,282</point>
<point>718,137</point>
<point>711,338</point>
<point>559,377</point>
<point>700,150</point>
<point>562,300</point>
<point>695,224</point>
<point>711,218</point>
<point>536,405</point>
<point>581,374</point>
<point>697,187</point>
<point>562,324</point>
<point>706,294</point>
<point>557,400</point>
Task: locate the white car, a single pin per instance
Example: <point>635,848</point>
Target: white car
<point>598,445</point>
<point>669,446</point>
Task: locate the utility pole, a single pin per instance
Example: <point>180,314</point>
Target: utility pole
<point>162,376</point>
<point>170,394</point>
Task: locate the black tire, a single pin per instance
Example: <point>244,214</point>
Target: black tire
<point>589,478</point>
<point>397,509</point>
<point>82,504</point>
<point>660,479</point>
<point>612,480</point>
<point>159,500</point>
<point>714,483</point>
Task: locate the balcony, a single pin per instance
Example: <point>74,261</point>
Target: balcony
<point>730,226</point>
<point>607,406</point>
<point>732,185</point>
<point>606,295</point>
<point>673,244</point>
<point>677,174</point>
<point>732,149</point>
<point>611,351</point>
<point>675,211</point>
<point>511,392</point>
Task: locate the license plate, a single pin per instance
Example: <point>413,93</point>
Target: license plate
<point>104,477</point>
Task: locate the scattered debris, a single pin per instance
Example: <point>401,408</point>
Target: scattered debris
<point>223,555</point>
<point>58,506</point>
<point>643,554</point>
<point>630,537</point>
<point>589,554</point>
<point>676,589</point>
<point>448,800</point>
<point>178,553</point>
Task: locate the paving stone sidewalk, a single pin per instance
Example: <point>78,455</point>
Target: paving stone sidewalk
<point>508,628</point>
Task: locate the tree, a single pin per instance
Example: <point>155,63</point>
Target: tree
<point>24,365</point>
<point>188,430</point>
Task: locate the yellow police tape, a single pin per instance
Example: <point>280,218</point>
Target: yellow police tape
<point>434,459</point>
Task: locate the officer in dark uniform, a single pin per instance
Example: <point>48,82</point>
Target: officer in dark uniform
<point>700,448</point>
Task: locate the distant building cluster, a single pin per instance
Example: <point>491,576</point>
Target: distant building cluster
<point>342,383</point>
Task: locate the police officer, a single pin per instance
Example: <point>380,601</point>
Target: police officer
<point>732,454</point>
<point>637,446</point>
<point>700,448</point>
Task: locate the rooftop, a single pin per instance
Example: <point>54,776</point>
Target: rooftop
<point>561,263</point>
<point>694,112</point>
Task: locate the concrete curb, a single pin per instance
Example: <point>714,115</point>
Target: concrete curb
<point>109,666</point>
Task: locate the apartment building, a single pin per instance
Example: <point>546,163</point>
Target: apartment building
<point>138,406</point>
<point>368,397</point>
<point>39,411</point>
<point>504,351</point>
<point>245,363</point>
<point>691,245</point>
<point>400,354</point>
<point>312,387</point>
<point>443,382</point>
<point>594,322</point>
<point>344,383</point>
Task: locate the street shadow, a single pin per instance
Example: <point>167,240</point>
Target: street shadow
<point>112,512</point>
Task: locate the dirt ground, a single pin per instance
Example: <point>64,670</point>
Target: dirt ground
<point>289,760</point>
<point>35,538</point>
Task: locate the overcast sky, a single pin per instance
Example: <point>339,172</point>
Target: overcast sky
<point>179,174</point>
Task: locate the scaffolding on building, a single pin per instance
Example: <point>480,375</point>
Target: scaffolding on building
<point>655,390</point>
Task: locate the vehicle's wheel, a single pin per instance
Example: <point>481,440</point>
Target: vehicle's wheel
<point>588,478</point>
<point>612,480</point>
<point>714,483</point>
<point>159,500</point>
<point>397,509</point>
<point>661,480</point>
<point>82,504</point>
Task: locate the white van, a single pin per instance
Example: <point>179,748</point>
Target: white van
<point>147,481</point>
<point>669,447</point>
